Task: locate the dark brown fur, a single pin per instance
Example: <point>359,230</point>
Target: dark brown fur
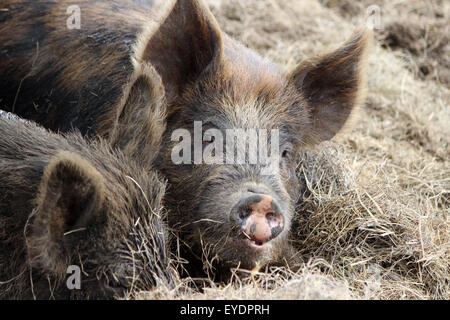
<point>64,201</point>
<point>204,75</point>
<point>60,93</point>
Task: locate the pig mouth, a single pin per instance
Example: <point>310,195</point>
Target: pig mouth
<point>255,244</point>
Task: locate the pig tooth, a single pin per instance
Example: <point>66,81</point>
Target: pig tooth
<point>247,235</point>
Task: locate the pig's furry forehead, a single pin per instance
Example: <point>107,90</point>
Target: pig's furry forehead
<point>243,95</point>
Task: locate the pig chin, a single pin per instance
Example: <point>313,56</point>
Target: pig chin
<point>237,251</point>
<point>228,248</point>
<point>243,254</point>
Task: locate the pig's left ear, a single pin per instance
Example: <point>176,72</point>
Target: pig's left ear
<point>185,44</point>
<point>333,85</point>
<point>140,119</point>
<point>69,196</point>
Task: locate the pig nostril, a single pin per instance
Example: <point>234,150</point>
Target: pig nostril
<point>275,231</point>
<point>272,218</point>
<point>275,222</point>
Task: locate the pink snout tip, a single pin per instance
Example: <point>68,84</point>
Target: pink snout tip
<point>263,227</point>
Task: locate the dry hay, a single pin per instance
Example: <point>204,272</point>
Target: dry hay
<point>418,29</point>
<point>280,284</point>
<point>385,241</point>
<point>374,221</point>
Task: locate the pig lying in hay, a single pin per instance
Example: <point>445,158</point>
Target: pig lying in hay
<point>67,205</point>
<point>228,214</point>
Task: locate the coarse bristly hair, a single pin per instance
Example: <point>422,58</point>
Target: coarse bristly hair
<point>64,202</point>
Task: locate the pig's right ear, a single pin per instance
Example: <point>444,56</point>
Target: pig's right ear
<point>185,44</point>
<point>70,194</point>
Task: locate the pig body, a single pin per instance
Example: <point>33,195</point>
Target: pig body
<point>227,214</point>
<point>74,91</point>
<point>66,202</point>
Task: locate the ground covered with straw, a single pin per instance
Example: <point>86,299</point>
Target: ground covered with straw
<point>374,219</point>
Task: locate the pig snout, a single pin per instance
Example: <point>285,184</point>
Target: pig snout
<point>259,217</point>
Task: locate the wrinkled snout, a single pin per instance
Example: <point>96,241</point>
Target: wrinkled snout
<point>259,217</point>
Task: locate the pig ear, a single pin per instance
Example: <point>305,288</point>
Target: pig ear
<point>333,85</point>
<point>70,194</point>
<point>141,116</point>
<point>185,44</point>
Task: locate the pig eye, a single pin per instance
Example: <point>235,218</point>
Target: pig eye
<point>286,154</point>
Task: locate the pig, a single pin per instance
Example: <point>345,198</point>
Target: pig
<point>227,215</point>
<point>69,204</point>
